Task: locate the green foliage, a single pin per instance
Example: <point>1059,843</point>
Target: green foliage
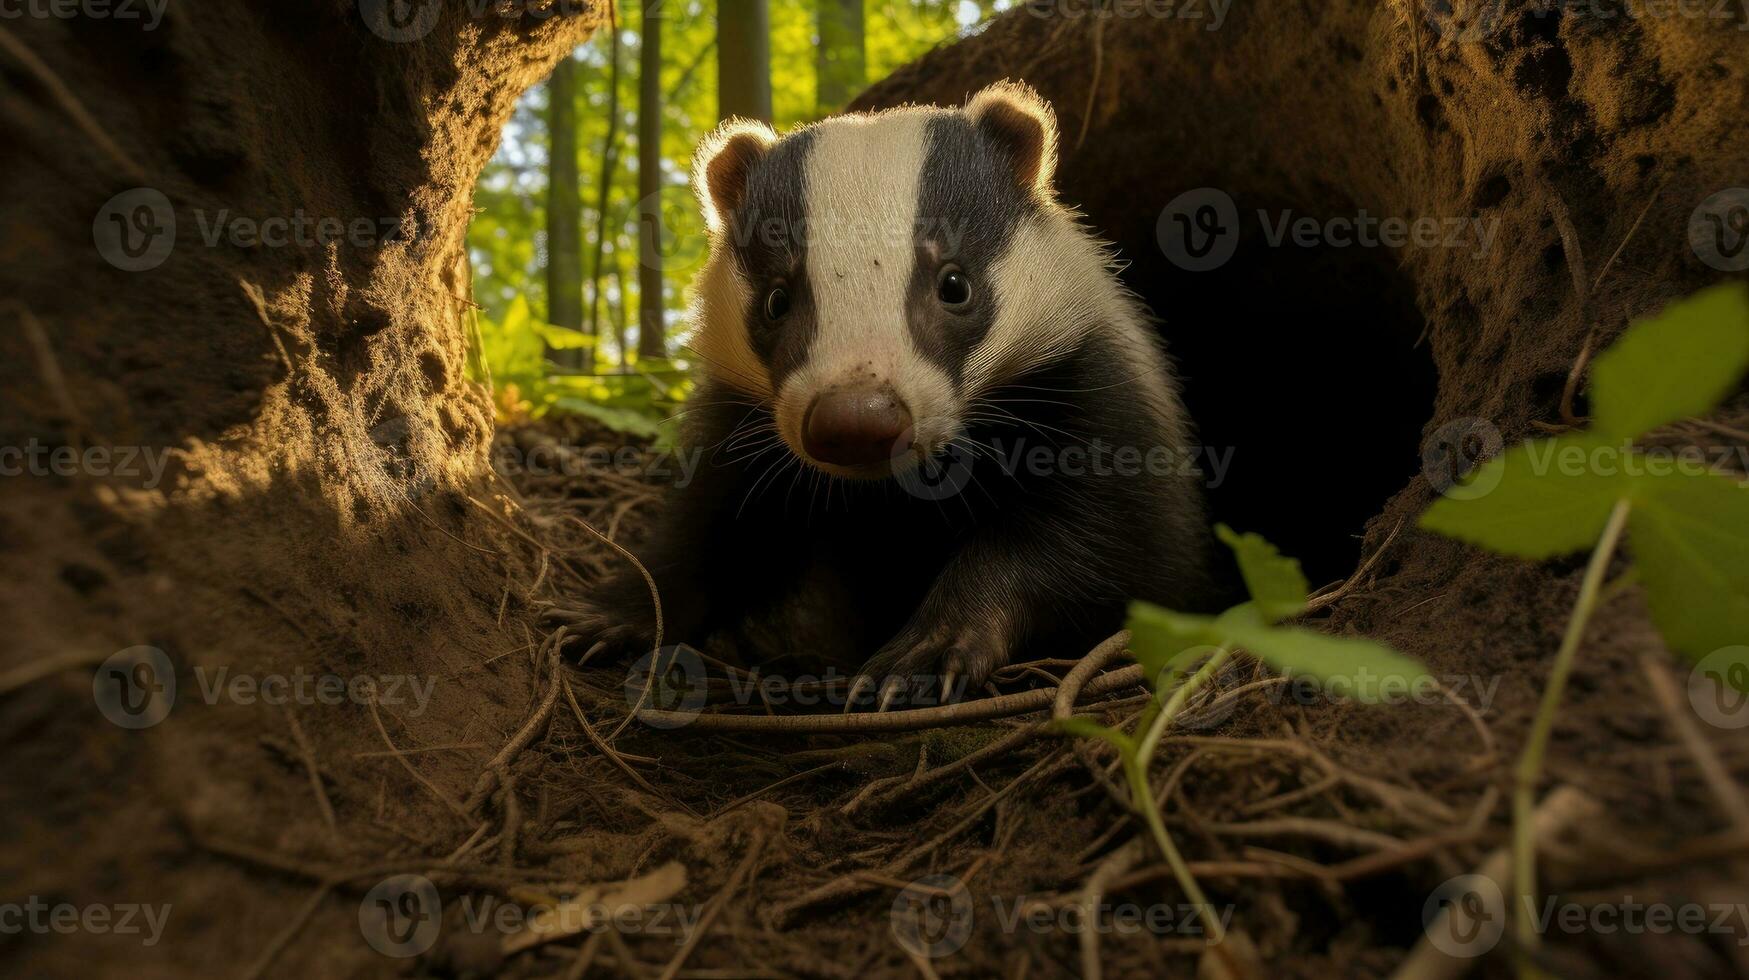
<point>1689,530</point>
<point>1161,639</point>
<point>1165,643</point>
<point>1691,545</point>
<point>1088,728</point>
<point>1550,498</point>
<point>1275,582</point>
<point>510,354</point>
<point>1674,365</point>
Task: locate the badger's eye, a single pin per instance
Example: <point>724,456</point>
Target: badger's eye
<point>777,303</point>
<point>952,287</point>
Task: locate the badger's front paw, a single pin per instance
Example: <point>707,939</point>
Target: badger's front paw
<point>929,665</point>
<point>598,633</point>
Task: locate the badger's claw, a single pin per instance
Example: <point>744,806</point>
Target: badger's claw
<point>602,633</point>
<point>857,686</point>
<point>922,668</point>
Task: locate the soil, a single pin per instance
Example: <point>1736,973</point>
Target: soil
<point>330,507</point>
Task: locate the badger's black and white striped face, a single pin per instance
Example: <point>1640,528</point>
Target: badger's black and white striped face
<point>872,275</point>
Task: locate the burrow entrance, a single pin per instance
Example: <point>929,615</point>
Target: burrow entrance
<point>1306,369</point>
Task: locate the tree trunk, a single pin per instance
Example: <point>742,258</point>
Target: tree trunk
<point>840,66</point>
<point>609,170</point>
<point>744,59</point>
<point>621,312</point>
<point>652,328</point>
<point>235,265</point>
<point>564,211</point>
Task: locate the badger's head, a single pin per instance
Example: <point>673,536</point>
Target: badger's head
<point>870,276</point>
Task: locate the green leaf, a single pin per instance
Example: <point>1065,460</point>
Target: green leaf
<point>1088,728</point>
<point>1729,669</point>
<point>1159,636</point>
<point>1539,499</point>
<point>1690,539</point>
<point>1275,581</point>
<point>564,338</point>
<point>1677,363</point>
<point>1346,665</point>
<point>624,420</point>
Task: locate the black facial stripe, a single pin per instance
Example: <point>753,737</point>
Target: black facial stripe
<point>968,205</point>
<point>767,234</point>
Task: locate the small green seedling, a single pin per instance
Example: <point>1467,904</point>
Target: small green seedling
<point>1168,643</point>
<point>1689,526</point>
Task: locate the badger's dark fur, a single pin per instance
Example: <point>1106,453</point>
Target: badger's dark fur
<point>914,358</point>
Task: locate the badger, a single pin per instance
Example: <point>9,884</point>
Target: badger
<point>914,359</point>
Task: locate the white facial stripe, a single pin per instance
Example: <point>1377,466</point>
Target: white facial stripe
<point>862,186</point>
<point>1048,283</point>
<point>1054,288</point>
<point>861,213</point>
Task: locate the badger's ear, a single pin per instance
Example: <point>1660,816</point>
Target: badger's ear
<point>1013,117</point>
<point>722,165</point>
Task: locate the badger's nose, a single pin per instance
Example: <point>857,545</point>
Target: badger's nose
<point>855,426</point>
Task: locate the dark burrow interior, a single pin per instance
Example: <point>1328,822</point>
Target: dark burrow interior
<point>1308,367</point>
